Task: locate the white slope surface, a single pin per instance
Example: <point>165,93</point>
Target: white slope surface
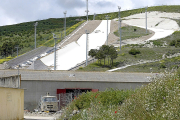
<point>75,52</point>
<point>161,23</point>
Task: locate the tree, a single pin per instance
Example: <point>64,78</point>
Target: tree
<point>5,50</point>
<point>100,55</point>
<point>113,53</point>
<point>105,50</point>
<point>92,52</point>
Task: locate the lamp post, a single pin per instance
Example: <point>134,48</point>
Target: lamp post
<point>35,25</point>
<point>54,51</point>
<point>18,77</point>
<point>146,18</point>
<point>119,26</point>
<point>87,9</point>
<point>107,17</point>
<point>94,16</point>
<point>87,32</point>
<point>17,47</point>
<point>65,24</point>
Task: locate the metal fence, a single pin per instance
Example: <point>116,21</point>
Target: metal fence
<point>63,99</point>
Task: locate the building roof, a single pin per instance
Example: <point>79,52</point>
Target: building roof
<point>79,76</point>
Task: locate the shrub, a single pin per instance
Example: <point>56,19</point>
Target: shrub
<point>162,66</point>
<point>173,43</point>
<point>177,43</point>
<point>157,43</point>
<point>134,51</point>
<point>158,100</point>
<point>80,68</point>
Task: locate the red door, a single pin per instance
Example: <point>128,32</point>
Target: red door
<point>61,95</point>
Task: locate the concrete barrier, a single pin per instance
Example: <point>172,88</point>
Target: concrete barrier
<point>11,104</point>
<point>10,81</point>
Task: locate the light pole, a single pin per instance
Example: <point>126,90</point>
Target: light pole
<point>94,16</point>
<point>65,24</point>
<point>107,17</point>
<point>17,47</point>
<point>87,32</point>
<point>146,18</point>
<point>87,9</point>
<point>54,51</point>
<point>119,26</point>
<point>18,77</point>
<point>35,25</point>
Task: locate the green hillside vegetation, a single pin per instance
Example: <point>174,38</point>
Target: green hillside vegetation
<point>23,34</point>
<point>159,100</point>
<point>113,15</point>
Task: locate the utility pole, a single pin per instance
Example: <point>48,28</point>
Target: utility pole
<point>18,77</point>
<point>54,51</point>
<point>146,18</point>
<point>107,17</point>
<point>87,32</point>
<point>65,24</point>
<point>35,25</point>
<point>87,9</point>
<point>94,16</point>
<point>17,47</point>
<point>119,26</point>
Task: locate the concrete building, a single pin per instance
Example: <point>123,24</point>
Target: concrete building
<point>38,83</point>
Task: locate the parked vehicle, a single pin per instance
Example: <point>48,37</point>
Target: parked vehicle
<point>49,103</point>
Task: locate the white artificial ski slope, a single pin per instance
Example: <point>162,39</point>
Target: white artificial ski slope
<point>75,52</point>
<point>158,22</point>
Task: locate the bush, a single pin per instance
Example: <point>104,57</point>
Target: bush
<point>80,68</point>
<point>162,66</point>
<point>173,43</point>
<point>134,51</point>
<point>157,43</point>
<point>177,43</point>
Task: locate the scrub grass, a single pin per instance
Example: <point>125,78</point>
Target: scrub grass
<point>131,32</point>
<point>5,59</point>
<point>146,54</point>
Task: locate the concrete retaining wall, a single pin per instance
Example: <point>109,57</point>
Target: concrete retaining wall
<point>11,104</point>
<point>10,81</point>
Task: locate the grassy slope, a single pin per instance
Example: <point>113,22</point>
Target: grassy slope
<point>130,32</point>
<point>167,63</point>
<point>171,8</point>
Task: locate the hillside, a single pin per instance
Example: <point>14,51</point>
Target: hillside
<point>23,35</point>
<point>155,55</point>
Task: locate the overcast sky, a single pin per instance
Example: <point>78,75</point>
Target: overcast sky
<point>17,11</point>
